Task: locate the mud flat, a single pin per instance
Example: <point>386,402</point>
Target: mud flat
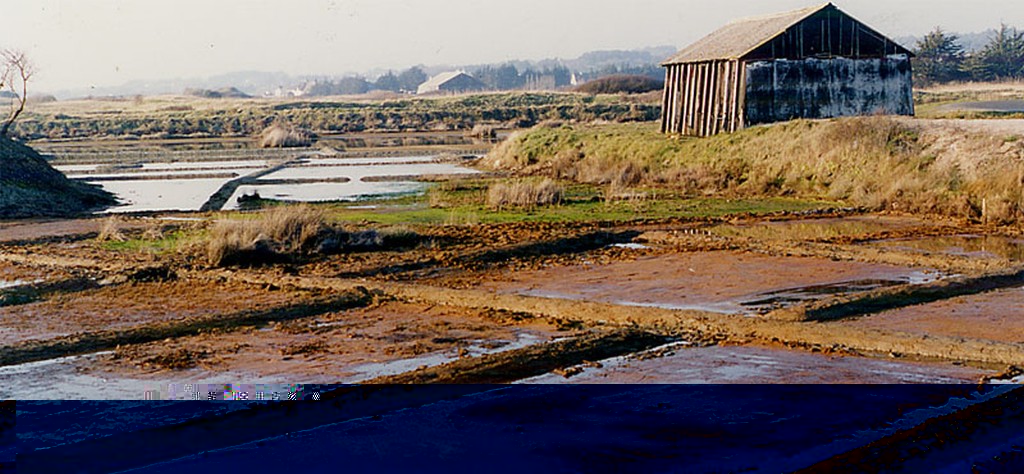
<point>996,316</point>
<point>728,364</point>
<point>130,305</point>
<point>334,347</point>
<point>718,281</point>
<point>13,231</point>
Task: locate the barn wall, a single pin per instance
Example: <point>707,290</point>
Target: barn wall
<point>778,90</point>
<point>703,98</point>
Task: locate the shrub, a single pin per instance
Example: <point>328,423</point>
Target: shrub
<point>524,194</point>
<point>628,84</point>
<point>110,231</point>
<point>282,135</point>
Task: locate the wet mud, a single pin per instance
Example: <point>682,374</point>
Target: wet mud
<point>994,316</point>
<point>776,299</point>
<point>717,281</point>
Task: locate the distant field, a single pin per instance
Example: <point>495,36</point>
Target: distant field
<point>971,101</point>
<point>181,117</point>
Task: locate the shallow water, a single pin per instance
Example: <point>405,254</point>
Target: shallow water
<point>368,160</point>
<point>162,195</point>
<point>356,173</point>
<point>970,246</point>
<point>149,174</point>
<point>395,367</point>
<point>189,194</point>
<point>805,229</point>
<point>316,192</point>
<point>15,283</point>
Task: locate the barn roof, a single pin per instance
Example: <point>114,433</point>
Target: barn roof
<point>740,37</point>
<point>434,83</point>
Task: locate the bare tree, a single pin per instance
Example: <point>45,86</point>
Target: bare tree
<point>15,72</point>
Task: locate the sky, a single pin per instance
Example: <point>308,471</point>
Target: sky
<point>93,43</point>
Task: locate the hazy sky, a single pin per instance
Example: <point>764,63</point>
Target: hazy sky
<point>82,43</point>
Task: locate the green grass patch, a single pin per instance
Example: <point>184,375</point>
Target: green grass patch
<point>464,203</point>
<point>169,242</point>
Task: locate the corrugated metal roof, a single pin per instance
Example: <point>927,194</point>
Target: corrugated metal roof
<point>739,37</point>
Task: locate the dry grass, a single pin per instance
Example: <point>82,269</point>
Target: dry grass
<point>278,231</point>
<point>526,194</point>
<point>908,165</point>
<point>486,132</point>
<point>110,231</point>
<point>283,135</point>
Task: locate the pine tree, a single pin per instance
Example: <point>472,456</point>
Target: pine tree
<point>939,57</point>
<point>1002,58</point>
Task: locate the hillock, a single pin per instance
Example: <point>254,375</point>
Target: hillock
<point>30,187</point>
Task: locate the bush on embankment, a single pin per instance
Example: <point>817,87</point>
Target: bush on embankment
<point>873,162</point>
<point>284,135</point>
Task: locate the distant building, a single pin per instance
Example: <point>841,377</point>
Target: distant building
<point>813,63</point>
<point>452,82</point>
<point>282,92</point>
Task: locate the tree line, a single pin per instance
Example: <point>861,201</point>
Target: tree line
<point>940,57</point>
<point>504,77</point>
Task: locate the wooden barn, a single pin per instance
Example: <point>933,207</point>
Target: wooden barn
<point>816,62</point>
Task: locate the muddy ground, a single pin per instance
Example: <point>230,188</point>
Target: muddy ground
<point>469,302</point>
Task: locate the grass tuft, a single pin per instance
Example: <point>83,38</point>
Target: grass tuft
<point>278,231</point>
<point>282,135</point>
<point>524,194</point>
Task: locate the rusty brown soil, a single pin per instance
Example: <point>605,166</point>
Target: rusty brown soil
<point>474,302</point>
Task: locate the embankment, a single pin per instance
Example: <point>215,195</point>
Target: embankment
<point>30,187</point>
<point>879,163</point>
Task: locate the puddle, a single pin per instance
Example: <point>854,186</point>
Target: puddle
<point>476,348</point>
<point>816,229</point>
<point>970,246</point>
<point>630,245</point>
<point>57,379</point>
<point>768,301</point>
<point>4,284</point>
<point>756,365</point>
